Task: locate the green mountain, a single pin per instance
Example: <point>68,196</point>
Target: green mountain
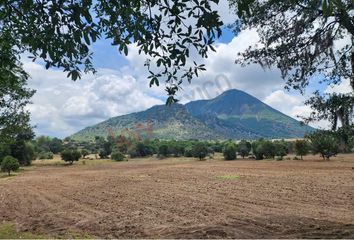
<point>232,115</point>
<point>236,114</point>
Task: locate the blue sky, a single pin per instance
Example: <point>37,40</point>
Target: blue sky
<point>61,107</point>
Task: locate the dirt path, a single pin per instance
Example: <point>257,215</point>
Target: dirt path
<point>168,199</point>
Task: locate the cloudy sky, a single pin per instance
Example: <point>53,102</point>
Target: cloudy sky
<point>61,107</point>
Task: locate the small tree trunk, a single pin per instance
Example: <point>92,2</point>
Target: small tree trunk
<point>301,157</point>
<point>9,172</point>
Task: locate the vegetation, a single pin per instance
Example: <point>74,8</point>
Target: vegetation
<point>243,148</point>
<point>9,164</point>
<point>207,120</point>
<point>325,143</point>
<point>45,155</point>
<point>70,28</point>
<point>70,156</point>
<point>302,148</point>
<point>229,151</point>
<point>302,46</point>
<point>280,149</point>
<point>200,150</point>
<point>117,156</point>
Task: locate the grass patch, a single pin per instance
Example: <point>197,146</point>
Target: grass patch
<point>8,231</point>
<point>229,177</point>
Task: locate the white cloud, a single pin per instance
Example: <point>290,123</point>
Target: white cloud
<point>61,107</point>
<point>343,87</point>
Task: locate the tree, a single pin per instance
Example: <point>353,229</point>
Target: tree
<point>84,153</point>
<point>55,145</point>
<point>14,95</point>
<point>229,151</point>
<point>117,156</point>
<point>301,38</point>
<point>200,150</point>
<point>335,108</point>
<point>164,31</point>
<point>302,148</point>
<point>325,143</point>
<point>244,148</point>
<point>263,149</point>
<point>21,149</point>
<point>70,156</point>
<point>163,150</point>
<point>306,40</point>
<point>280,149</point>
<point>9,164</point>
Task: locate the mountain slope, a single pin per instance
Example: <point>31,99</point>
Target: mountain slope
<point>237,114</point>
<point>234,114</point>
<point>161,122</point>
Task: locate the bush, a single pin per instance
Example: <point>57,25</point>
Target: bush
<point>45,155</point>
<point>9,164</point>
<point>70,156</point>
<point>188,151</point>
<point>263,149</point>
<point>84,153</point>
<point>117,156</point>
<point>230,151</point>
<point>325,143</point>
<point>302,148</point>
<point>200,150</point>
<point>244,148</point>
<point>163,150</point>
<point>280,149</point>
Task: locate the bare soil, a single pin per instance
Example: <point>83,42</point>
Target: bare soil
<point>182,198</point>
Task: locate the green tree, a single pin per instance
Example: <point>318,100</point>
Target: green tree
<point>9,164</point>
<point>21,149</point>
<point>84,153</point>
<point>229,151</point>
<point>164,31</point>
<point>263,149</point>
<point>117,156</point>
<point>280,149</point>
<point>55,145</point>
<point>244,148</point>
<point>200,150</point>
<point>70,156</point>
<point>302,148</point>
<point>163,150</point>
<point>14,95</point>
<point>324,143</point>
<point>306,40</point>
<point>300,38</point>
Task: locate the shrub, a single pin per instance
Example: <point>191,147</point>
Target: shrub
<point>230,151</point>
<point>103,153</point>
<point>45,155</point>
<point>244,148</point>
<point>325,143</point>
<point>9,164</point>
<point>163,150</point>
<point>70,155</point>
<point>117,156</point>
<point>200,150</point>
<point>263,149</point>
<point>302,148</point>
<point>280,149</point>
<point>84,153</point>
<point>188,151</point>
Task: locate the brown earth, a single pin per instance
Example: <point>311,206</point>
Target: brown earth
<point>185,199</point>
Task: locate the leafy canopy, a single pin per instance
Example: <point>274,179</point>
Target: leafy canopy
<point>60,33</point>
<point>301,38</point>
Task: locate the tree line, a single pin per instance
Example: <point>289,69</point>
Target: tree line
<point>326,143</point>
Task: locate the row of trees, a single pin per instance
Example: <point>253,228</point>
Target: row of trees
<point>326,143</point>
